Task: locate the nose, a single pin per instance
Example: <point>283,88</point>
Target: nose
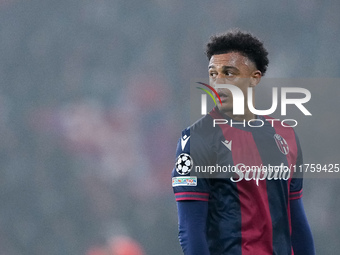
<point>220,79</point>
<point>220,76</point>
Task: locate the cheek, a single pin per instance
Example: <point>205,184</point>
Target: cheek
<point>242,85</point>
<point>212,81</point>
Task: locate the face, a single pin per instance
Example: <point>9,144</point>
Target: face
<point>232,68</point>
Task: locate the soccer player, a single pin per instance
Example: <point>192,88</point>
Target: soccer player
<point>244,211</point>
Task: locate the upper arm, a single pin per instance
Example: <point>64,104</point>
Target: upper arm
<point>192,195</point>
<point>186,185</point>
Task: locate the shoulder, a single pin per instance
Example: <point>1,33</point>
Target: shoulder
<point>198,138</point>
<point>201,132</point>
<point>280,126</point>
<point>202,125</point>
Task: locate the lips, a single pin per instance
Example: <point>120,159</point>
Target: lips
<point>223,96</point>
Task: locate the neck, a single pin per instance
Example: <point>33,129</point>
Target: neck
<point>247,116</point>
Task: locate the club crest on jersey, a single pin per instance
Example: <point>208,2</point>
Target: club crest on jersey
<point>183,164</point>
<point>281,144</point>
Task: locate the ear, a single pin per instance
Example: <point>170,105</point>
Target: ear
<point>255,78</point>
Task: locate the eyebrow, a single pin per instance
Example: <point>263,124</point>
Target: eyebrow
<point>223,67</point>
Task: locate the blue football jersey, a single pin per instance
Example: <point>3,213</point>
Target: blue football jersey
<point>241,171</point>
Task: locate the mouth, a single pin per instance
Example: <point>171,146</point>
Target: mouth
<point>223,96</point>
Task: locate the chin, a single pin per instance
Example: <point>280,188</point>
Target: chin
<point>224,108</point>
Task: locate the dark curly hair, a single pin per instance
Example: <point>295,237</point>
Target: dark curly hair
<point>242,42</point>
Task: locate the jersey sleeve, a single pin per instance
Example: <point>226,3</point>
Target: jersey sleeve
<point>186,184</point>
<point>297,180</point>
<point>302,238</point>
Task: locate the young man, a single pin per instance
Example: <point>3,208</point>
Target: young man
<point>244,211</point>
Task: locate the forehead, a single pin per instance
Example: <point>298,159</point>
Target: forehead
<point>233,59</point>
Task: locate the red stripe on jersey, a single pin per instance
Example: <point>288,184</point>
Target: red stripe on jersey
<point>294,198</point>
<point>288,134</point>
<point>257,232</point>
<point>296,192</point>
<point>256,229</point>
<point>295,195</point>
<point>192,193</point>
<point>180,196</point>
<point>192,198</point>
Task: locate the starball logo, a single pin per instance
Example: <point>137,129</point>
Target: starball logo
<point>239,103</point>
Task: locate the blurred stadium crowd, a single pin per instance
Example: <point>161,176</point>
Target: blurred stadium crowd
<point>93,96</point>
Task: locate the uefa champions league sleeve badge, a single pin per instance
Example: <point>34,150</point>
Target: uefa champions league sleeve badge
<point>184,164</point>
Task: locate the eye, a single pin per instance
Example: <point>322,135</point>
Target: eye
<point>212,74</point>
